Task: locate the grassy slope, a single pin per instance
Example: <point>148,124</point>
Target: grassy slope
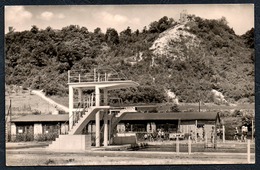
<point>25,103</point>
<point>61,100</point>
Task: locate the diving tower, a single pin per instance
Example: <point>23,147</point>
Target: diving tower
<point>96,85</point>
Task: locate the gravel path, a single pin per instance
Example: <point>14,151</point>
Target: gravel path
<point>42,95</point>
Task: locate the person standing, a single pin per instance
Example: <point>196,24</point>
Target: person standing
<point>212,134</point>
<point>163,135</point>
<point>145,136</point>
<point>245,133</point>
<point>236,134</point>
<point>160,134</point>
<point>203,133</point>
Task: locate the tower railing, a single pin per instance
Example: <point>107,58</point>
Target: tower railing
<point>95,75</point>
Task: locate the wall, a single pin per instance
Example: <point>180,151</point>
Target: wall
<point>64,129</point>
<point>120,127</point>
<point>188,128</point>
<point>151,127</point>
<point>13,129</point>
<point>37,128</point>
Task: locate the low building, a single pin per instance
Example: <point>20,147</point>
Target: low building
<point>35,125</point>
<point>185,122</point>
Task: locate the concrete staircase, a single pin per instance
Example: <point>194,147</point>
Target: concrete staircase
<point>71,142</point>
<point>119,116</point>
<point>125,110</point>
<point>74,140</point>
<point>84,120</point>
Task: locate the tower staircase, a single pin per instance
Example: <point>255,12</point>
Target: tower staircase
<point>118,117</point>
<point>74,139</point>
<point>81,117</point>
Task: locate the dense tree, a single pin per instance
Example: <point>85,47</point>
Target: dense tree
<point>41,58</point>
<point>249,38</point>
<point>97,30</point>
<point>34,29</point>
<point>163,24</point>
<point>112,36</point>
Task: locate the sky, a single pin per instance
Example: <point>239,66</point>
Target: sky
<point>240,17</point>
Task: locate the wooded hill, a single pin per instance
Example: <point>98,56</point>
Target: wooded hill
<point>203,55</point>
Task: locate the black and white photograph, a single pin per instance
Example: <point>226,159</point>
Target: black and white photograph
<point>163,84</point>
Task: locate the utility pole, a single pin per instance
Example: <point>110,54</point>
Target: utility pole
<point>199,101</point>
<point>199,105</point>
<point>252,136</point>
<point>10,118</point>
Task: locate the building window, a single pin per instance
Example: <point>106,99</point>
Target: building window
<point>167,127</point>
<point>50,128</point>
<point>24,129</point>
<point>139,128</point>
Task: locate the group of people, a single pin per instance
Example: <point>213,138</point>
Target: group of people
<point>159,134</point>
<point>199,135</point>
<point>244,131</point>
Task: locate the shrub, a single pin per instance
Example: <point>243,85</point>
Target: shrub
<point>225,114</point>
<point>49,161</point>
<point>46,137</point>
<point>134,147</point>
<point>237,113</point>
<point>23,137</point>
<point>175,108</point>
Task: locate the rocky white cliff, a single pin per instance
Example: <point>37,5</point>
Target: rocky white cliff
<point>174,42</point>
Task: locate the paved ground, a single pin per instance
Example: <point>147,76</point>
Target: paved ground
<point>19,145</point>
<point>38,155</point>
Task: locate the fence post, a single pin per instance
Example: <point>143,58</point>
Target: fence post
<point>196,125</point>
<point>189,146</point>
<point>252,136</point>
<point>248,151</point>
<point>213,141</point>
<point>177,145</point>
<point>94,75</point>
<point>68,76</point>
<point>206,140</point>
<point>223,134</point>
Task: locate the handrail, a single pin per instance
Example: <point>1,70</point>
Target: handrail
<point>90,103</point>
<point>115,120</point>
<point>98,75</point>
<point>67,122</point>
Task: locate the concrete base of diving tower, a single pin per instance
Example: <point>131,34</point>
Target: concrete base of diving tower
<point>71,142</point>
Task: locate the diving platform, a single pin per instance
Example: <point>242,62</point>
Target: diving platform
<point>89,95</point>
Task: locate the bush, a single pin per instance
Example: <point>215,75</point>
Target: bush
<point>23,137</point>
<point>46,137</point>
<point>139,136</point>
<point>49,161</point>
<point>36,112</point>
<point>134,147</point>
<point>225,114</point>
<point>237,113</point>
<point>175,108</point>
<point>230,125</point>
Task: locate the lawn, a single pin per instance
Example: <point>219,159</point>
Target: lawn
<point>24,102</point>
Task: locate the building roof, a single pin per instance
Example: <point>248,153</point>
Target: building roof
<point>129,116</point>
<point>43,118</point>
<point>172,116</point>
